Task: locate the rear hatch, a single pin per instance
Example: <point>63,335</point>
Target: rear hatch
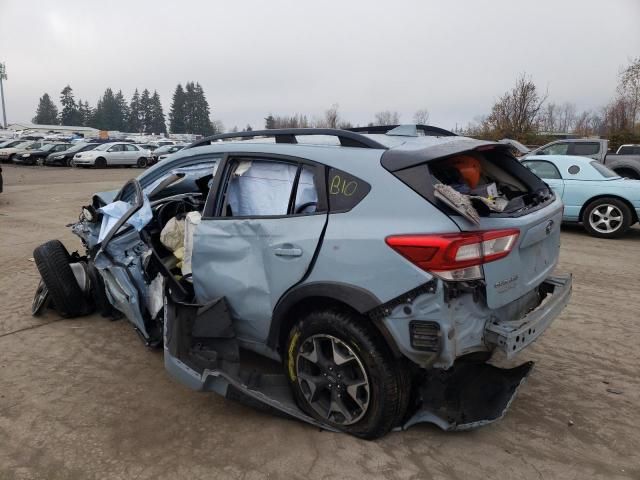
<point>484,188</point>
<point>532,259</point>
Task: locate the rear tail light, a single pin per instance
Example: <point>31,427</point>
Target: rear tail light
<point>455,256</point>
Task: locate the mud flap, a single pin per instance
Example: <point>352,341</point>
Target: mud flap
<point>467,396</point>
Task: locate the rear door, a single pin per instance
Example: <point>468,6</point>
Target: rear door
<point>131,154</point>
<point>115,155</point>
<point>259,233</point>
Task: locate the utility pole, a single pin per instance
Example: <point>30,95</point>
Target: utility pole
<point>3,76</point>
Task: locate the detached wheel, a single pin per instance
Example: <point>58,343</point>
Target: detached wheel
<point>607,217</point>
<point>52,260</point>
<point>342,375</point>
<point>100,163</point>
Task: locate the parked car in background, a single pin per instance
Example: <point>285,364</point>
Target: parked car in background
<point>113,153</point>
<point>286,261</point>
<point>628,149</point>
<point>9,153</point>
<point>147,146</point>
<point>605,203</point>
<point>66,158</point>
<point>37,155</point>
<point>10,143</point>
<point>625,165</point>
<point>1,181</point>
<point>163,152</point>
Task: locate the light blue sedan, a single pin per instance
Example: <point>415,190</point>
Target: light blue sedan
<point>605,203</point>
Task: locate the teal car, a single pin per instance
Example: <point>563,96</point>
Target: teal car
<point>605,203</point>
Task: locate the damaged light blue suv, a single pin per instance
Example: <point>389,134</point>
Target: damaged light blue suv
<point>373,272</point>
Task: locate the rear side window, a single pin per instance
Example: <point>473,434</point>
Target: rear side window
<point>606,172</point>
<point>590,148</point>
<point>543,169</point>
<point>345,190</point>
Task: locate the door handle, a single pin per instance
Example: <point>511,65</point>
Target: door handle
<point>288,252</point>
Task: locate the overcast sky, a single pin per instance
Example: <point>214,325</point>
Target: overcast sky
<point>254,57</point>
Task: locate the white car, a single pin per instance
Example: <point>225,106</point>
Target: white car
<point>113,153</point>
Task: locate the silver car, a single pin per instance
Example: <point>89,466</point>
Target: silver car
<point>113,153</point>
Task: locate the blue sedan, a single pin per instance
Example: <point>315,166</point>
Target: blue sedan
<point>605,203</point>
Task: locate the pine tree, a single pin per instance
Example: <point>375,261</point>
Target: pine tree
<point>134,123</point>
<point>269,122</point>
<point>122,112</point>
<point>248,128</point>
<point>202,120</point>
<point>157,124</point>
<point>145,110</point>
<point>47,112</point>
<point>108,115</point>
<point>177,113</point>
<point>70,114</point>
<point>84,113</point>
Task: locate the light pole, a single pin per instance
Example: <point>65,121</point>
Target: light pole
<point>3,76</point>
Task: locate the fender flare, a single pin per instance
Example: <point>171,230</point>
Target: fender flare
<point>359,299</point>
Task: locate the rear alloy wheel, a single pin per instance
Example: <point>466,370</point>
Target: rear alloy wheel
<point>342,374</point>
<point>142,162</point>
<point>607,218</point>
<point>100,163</point>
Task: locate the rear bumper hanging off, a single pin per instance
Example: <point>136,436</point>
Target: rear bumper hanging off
<point>511,337</point>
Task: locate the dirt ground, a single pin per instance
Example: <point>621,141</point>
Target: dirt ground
<point>84,399</point>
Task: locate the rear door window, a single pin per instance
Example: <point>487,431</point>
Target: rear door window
<point>270,188</point>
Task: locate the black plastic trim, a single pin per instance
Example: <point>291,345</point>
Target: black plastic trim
<point>357,298</point>
<point>288,135</point>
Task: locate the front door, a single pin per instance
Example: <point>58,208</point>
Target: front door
<point>261,227</point>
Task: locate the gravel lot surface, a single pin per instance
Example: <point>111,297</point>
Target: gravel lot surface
<point>84,399</point>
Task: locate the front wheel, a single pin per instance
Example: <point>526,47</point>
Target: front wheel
<point>342,374</point>
<point>100,163</point>
<point>607,218</point>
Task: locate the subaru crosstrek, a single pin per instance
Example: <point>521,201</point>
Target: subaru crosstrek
<point>380,267</point>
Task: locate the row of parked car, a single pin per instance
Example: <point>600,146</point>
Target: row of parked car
<point>85,154</point>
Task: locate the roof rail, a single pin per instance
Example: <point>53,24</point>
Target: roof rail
<point>288,135</point>
<point>427,130</point>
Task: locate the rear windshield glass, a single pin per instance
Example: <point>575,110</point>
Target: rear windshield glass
<point>606,172</point>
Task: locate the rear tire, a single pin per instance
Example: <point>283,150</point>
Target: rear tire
<point>607,217</point>
<point>142,162</point>
<point>354,384</point>
<point>52,260</point>
<point>100,163</point>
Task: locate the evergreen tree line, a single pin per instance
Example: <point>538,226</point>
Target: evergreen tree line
<point>143,114</point>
